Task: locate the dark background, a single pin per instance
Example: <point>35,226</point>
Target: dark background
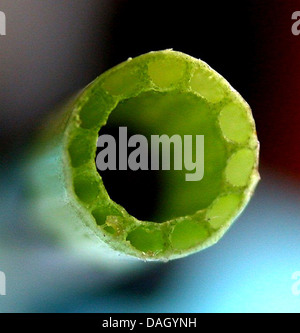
<point>54,48</point>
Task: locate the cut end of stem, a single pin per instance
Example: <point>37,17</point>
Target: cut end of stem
<point>165,92</point>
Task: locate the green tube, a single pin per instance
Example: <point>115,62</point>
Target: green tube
<point>163,92</point>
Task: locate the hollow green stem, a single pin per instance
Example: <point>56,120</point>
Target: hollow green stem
<point>163,92</point>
